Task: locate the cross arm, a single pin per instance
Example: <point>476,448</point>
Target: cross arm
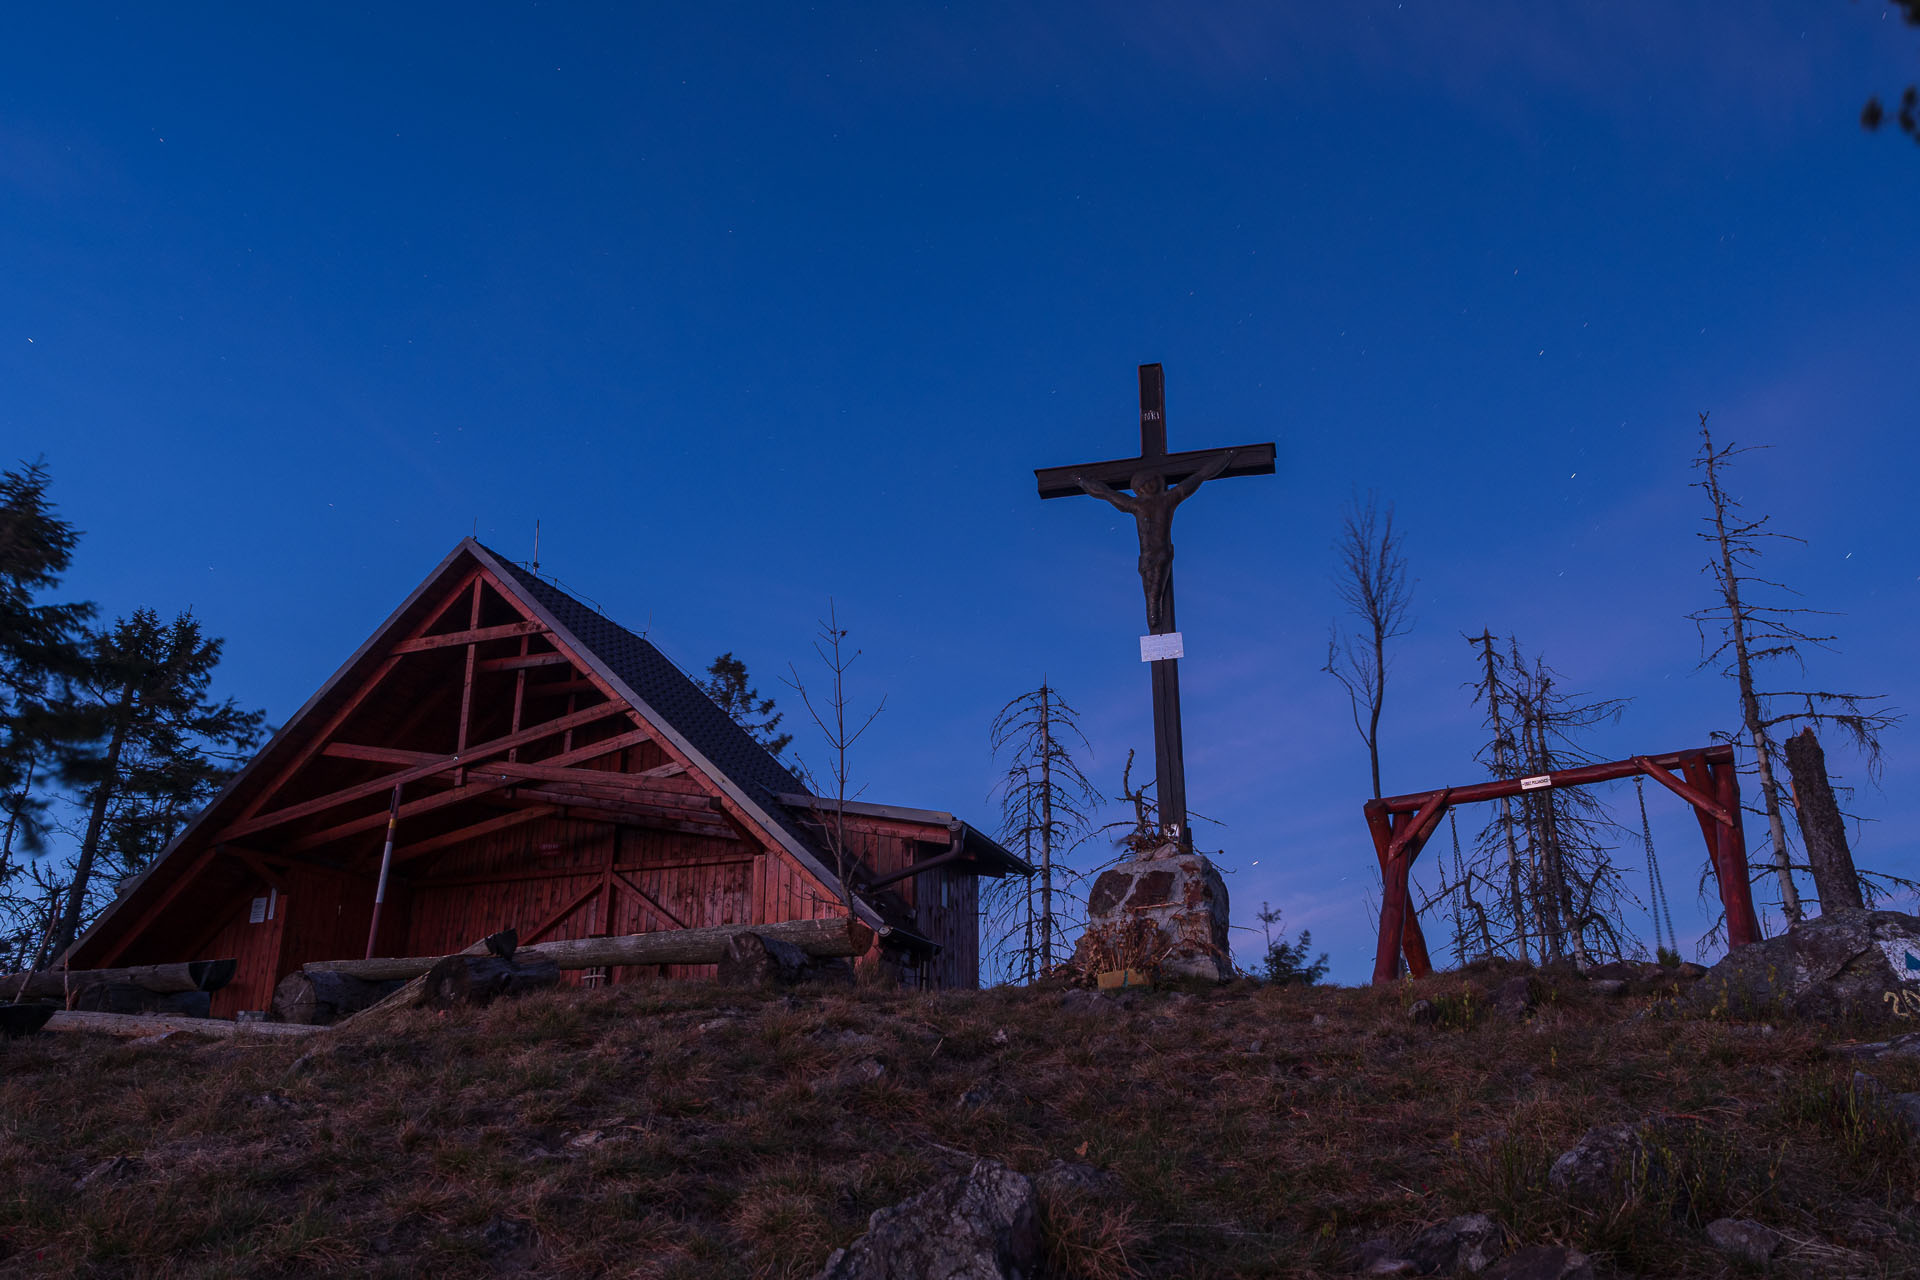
<point>1249,460</point>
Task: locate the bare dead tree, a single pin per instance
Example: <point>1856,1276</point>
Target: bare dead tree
<point>839,731</point>
<point>1047,805</point>
<point>1371,581</point>
<point>1541,882</point>
<point>1741,634</point>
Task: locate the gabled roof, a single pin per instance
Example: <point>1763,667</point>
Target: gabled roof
<point>676,706</point>
<point>638,674</point>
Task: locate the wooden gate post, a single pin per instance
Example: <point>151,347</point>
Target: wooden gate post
<point>1736,887</point>
<point>1397,847</point>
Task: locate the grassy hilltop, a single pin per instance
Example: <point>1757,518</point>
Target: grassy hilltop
<point>692,1131</point>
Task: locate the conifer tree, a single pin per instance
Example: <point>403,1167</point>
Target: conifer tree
<point>1046,808</point>
<point>40,649</point>
<point>159,749</point>
<point>727,684</point>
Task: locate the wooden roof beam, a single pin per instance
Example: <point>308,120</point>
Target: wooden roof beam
<point>472,790</point>
<point>473,635</point>
<point>438,764</point>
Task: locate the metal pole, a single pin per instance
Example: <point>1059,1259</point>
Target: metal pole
<point>386,865</point>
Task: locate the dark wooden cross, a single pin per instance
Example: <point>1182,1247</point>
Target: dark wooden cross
<point>1159,482</point>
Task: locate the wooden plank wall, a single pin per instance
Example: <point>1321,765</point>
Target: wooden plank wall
<point>257,947</point>
<point>524,877</point>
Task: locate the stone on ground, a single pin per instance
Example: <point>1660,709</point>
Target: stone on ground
<point>752,960</point>
<point>1466,1245</point>
<point>1604,1160</point>
<point>1748,1241</point>
<point>980,1225</point>
<point>1542,1262</point>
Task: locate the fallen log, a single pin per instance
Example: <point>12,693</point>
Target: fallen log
<point>147,1024</point>
<point>407,994</point>
<point>460,981</point>
<point>322,999</point>
<point>56,984</point>
<point>124,997</point>
<point>820,939</point>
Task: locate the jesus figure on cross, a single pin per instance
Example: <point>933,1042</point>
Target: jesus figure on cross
<point>1151,505</point>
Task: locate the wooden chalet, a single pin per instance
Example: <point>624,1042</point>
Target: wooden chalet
<point>548,770</point>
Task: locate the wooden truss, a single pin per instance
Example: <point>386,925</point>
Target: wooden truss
<point>557,742</point>
<point>1705,780</point>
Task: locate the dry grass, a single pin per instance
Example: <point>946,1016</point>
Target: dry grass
<point>682,1131</point>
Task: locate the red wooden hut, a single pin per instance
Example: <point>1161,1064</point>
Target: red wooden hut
<point>550,771</point>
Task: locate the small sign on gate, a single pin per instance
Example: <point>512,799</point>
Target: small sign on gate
<point>1534,784</point>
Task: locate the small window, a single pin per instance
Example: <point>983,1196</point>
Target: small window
<point>257,914</point>
<point>946,890</point>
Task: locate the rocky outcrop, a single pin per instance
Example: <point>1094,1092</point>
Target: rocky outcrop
<point>1164,911</point>
<point>1843,966</point>
<point>980,1225</point>
<point>1750,1242</point>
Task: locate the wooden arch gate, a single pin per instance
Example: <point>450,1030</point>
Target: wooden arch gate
<point>1402,824</point>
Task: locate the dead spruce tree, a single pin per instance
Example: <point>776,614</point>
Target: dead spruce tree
<point>1046,809</point>
<point>1742,634</point>
<point>1541,884</point>
<point>839,732</point>
<point>1371,581</point>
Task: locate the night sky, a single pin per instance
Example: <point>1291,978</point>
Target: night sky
<point>751,306</point>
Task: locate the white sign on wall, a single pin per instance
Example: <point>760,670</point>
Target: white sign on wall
<point>1161,648</point>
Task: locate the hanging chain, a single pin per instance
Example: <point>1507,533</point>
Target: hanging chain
<point>1459,893</point>
<point>1656,887</point>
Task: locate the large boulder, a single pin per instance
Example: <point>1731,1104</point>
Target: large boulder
<point>1842,966</point>
<point>755,960</point>
<point>980,1225</point>
<point>1164,911</point>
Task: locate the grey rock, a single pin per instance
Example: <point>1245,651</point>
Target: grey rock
<point>1465,1245</point>
<point>1608,987</point>
<point>1422,1013</point>
<point>854,1074</point>
<point>114,1169</point>
<point>1597,1166</point>
<point>1907,1046</point>
<point>1392,1267</point>
<point>1513,998</point>
<point>1067,1177</point>
<point>1081,1001</point>
<point>1843,965</point>
<point>1904,1107</point>
<point>974,1097</point>
<point>504,1235</point>
<point>980,1225</point>
<point>1542,1262</point>
<point>753,960</point>
<point>1374,1250</point>
<point>1740,1238</point>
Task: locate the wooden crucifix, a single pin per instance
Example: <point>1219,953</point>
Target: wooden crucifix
<point>1159,482</point>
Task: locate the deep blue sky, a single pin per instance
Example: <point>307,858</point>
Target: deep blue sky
<point>751,306</point>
